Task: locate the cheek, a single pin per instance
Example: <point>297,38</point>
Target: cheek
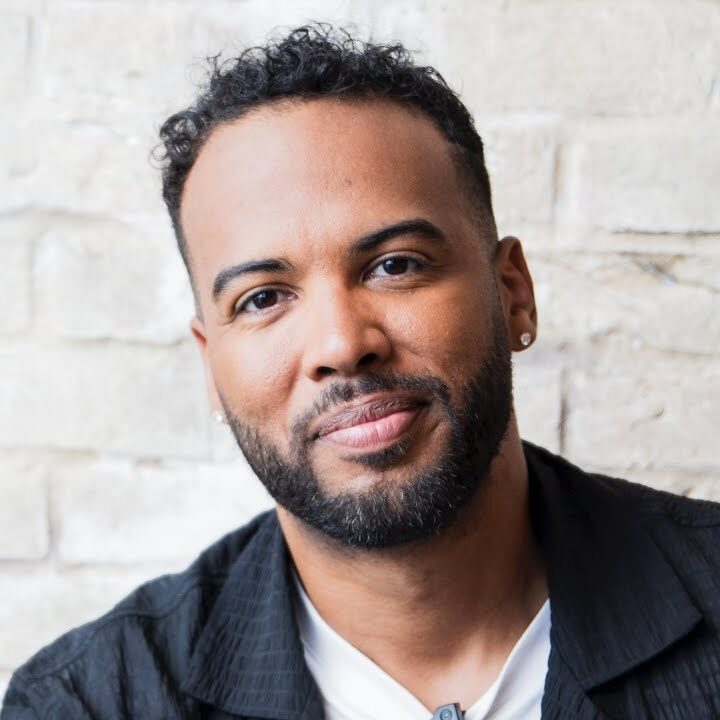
<point>254,377</point>
<point>447,331</point>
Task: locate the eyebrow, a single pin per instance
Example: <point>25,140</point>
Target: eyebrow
<point>270,265</point>
<point>363,244</point>
<point>417,226</point>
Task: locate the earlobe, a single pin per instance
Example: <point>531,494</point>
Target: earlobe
<point>516,293</point>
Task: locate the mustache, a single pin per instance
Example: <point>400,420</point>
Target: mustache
<point>344,391</point>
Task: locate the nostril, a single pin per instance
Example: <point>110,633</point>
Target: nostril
<point>324,371</point>
<point>368,359</point>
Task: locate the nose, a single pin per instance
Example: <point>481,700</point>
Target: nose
<point>343,336</point>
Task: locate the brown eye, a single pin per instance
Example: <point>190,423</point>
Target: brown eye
<point>259,301</point>
<point>264,299</point>
<point>395,266</point>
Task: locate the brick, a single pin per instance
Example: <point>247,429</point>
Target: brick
<point>538,396</point>
<point>23,511</point>
<point>634,409</point>
<point>568,238</point>
<point>714,103</point>
<point>647,177</point>
<point>698,271</point>
<point>103,59</point>
<point>73,166</point>
<point>93,169</point>
<point>98,278</point>
<point>580,57</point>
<point>19,158</point>
<point>39,604</point>
<point>15,32</point>
<point>520,158</point>
<point>666,302</point>
<point>16,236</point>
<point>228,27</point>
<point>119,512</point>
<point>109,397</point>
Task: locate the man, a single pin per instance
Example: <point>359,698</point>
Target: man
<point>356,314</point>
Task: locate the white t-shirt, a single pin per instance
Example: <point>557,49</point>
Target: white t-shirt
<point>353,687</point>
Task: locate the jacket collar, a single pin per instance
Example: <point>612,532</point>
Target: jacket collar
<point>249,660</point>
<point>615,601</point>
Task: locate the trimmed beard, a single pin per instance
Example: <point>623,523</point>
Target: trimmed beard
<point>391,514</point>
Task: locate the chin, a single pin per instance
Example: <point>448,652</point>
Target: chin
<point>394,466</point>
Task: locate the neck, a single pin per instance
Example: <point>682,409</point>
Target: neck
<point>443,613</point>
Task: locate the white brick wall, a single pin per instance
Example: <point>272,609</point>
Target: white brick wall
<point>15,243</point>
<point>600,120</point>
<point>636,409</point>
<point>123,512</point>
<point>24,530</point>
<point>645,176</point>
<point>134,400</point>
<point>81,295</point>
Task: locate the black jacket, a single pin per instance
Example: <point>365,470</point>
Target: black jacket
<point>634,582</point>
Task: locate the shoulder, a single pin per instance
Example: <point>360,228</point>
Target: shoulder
<point>685,530</point>
<point>645,503</point>
<point>659,507</point>
<point>151,631</point>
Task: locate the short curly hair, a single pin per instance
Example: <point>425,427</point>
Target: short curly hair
<point>315,61</point>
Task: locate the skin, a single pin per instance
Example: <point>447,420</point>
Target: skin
<point>303,182</point>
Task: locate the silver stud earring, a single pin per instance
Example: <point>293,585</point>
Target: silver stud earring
<point>525,339</point>
<point>218,417</point>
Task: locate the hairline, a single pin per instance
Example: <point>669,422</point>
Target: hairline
<point>480,207</point>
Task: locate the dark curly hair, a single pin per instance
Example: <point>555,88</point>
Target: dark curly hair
<point>309,62</point>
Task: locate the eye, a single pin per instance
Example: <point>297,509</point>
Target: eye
<point>395,265</point>
<point>259,301</point>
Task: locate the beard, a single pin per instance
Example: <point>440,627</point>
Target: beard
<point>393,511</point>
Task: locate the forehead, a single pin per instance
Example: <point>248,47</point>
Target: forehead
<point>314,172</point>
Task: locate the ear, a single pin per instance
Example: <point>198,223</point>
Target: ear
<point>516,291</point>
<point>198,330</point>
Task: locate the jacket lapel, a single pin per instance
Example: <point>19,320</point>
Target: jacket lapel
<point>615,601</point>
<point>249,659</point>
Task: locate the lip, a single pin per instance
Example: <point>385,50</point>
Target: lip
<point>375,434</point>
<point>369,412</point>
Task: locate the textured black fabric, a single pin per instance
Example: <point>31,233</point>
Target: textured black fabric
<point>634,582</point>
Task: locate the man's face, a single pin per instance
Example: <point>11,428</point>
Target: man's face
<point>351,322</point>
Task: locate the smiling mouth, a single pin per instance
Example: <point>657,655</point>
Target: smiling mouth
<point>372,425</point>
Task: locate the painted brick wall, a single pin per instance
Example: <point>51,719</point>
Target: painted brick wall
<point>601,123</point>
